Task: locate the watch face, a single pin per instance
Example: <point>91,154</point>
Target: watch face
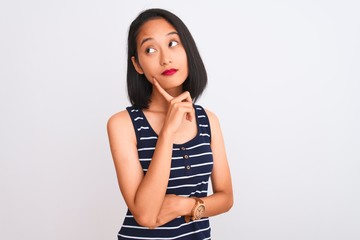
<point>199,212</point>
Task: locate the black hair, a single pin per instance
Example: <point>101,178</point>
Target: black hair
<point>138,87</point>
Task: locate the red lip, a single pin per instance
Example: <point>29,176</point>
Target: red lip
<point>169,72</point>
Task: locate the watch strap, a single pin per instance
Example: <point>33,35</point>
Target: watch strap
<point>198,202</point>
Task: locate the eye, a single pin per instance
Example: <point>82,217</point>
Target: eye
<point>173,43</point>
<point>150,50</point>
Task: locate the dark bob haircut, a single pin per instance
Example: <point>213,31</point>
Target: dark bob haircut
<point>138,87</point>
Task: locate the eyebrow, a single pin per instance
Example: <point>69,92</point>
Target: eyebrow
<point>148,39</point>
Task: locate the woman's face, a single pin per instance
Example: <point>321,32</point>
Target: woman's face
<point>161,54</point>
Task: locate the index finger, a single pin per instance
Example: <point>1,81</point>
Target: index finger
<point>162,91</point>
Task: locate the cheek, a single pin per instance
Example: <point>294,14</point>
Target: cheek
<point>147,67</point>
<point>184,57</point>
<point>185,63</point>
<point>149,77</point>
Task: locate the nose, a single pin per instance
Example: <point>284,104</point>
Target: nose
<point>165,59</point>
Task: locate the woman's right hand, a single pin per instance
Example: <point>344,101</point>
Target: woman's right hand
<point>180,108</point>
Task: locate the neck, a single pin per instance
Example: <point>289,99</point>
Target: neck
<point>158,103</point>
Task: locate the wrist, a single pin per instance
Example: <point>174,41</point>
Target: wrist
<point>188,204</point>
<point>166,134</point>
<point>197,211</point>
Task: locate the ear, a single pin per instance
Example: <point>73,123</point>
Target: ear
<point>137,65</point>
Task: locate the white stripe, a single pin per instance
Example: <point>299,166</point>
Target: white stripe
<point>191,194</point>
<point>204,134</point>
<point>182,167</point>
<point>195,155</point>
<point>187,185</point>
<point>201,164</point>
<point>138,118</point>
<point>203,125</point>
<point>182,235</point>
<point>149,159</point>
<point>198,108</point>
<point>175,168</point>
<point>201,154</point>
<point>201,116</point>
<point>185,177</point>
<point>145,138</point>
<point>201,144</point>
<point>134,110</point>
<point>144,149</point>
<point>139,129</point>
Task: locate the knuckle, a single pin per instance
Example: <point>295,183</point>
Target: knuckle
<point>188,94</point>
<point>173,101</point>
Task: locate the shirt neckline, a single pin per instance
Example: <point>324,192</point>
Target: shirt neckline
<point>176,144</point>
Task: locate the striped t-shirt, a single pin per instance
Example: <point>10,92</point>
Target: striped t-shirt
<point>191,167</point>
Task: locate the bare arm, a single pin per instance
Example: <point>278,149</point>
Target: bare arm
<point>145,194</point>
<point>222,198</point>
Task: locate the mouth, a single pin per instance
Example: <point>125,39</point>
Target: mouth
<point>169,72</point>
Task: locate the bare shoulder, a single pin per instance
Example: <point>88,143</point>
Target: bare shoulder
<point>214,120</point>
<point>120,126</point>
<point>120,119</point>
<point>217,141</point>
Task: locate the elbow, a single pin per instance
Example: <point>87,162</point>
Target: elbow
<point>229,203</point>
<point>146,221</point>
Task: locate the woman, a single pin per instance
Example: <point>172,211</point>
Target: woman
<point>165,148</point>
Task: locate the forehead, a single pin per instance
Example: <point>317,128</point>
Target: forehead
<point>155,28</point>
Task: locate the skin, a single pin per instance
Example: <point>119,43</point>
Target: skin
<point>171,115</point>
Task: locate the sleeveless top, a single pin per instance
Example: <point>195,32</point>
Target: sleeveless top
<point>191,167</point>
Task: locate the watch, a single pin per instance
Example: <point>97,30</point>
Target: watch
<point>197,211</point>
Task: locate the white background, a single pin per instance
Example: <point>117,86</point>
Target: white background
<point>284,80</point>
